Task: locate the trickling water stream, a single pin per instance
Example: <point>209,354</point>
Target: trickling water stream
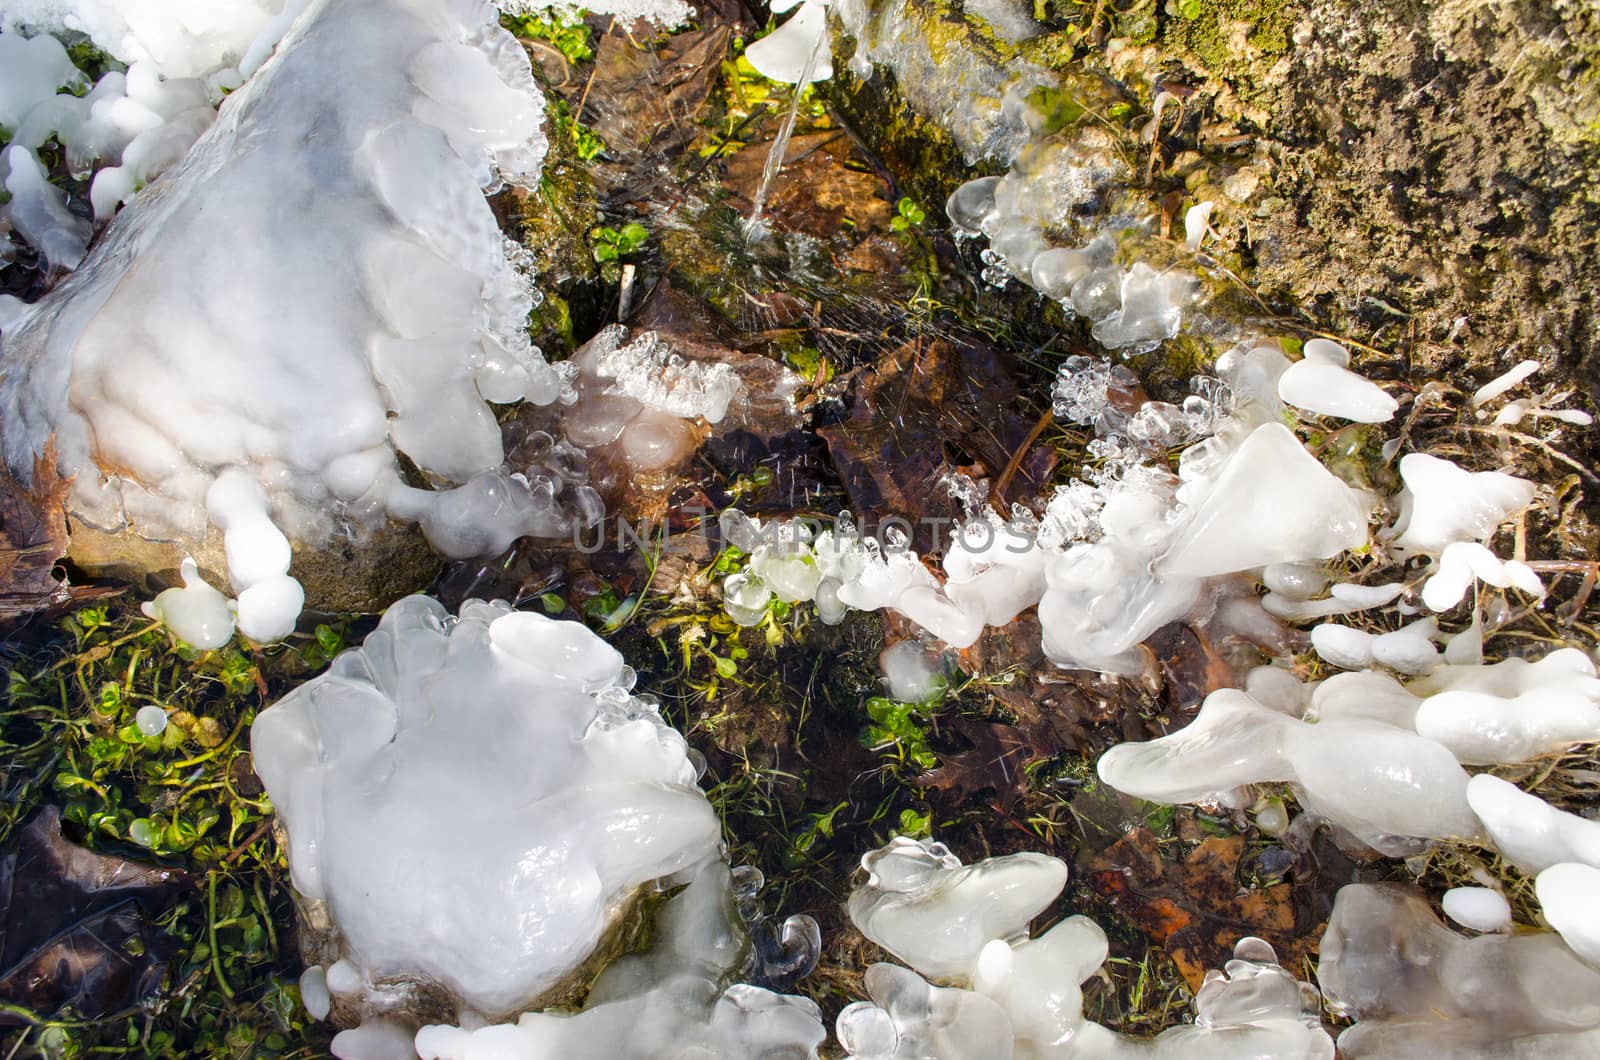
<point>753,228</point>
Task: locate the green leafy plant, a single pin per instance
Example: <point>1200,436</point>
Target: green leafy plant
<point>565,31</point>
<point>185,796</point>
<point>613,244</point>
<point>897,731</point>
<point>907,215</point>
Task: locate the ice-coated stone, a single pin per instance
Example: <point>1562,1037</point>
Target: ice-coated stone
<point>1272,503</point>
<point>477,800</point>
<point>1380,781</point>
<point>300,308</point>
<point>1416,988</point>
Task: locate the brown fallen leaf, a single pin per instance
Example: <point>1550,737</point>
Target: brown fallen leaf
<point>1190,667</point>
<point>78,929</point>
<point>815,191</point>
<point>999,755</point>
<point>642,100</point>
<point>1196,909</point>
<point>33,537</point>
<point>923,410</point>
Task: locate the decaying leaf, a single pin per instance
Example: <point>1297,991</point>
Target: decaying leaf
<point>78,929</point>
<point>651,100</point>
<point>999,755</point>
<point>1190,667</point>
<point>815,192</point>
<point>924,410</point>
<point>33,536</point>
<point>1196,909</point>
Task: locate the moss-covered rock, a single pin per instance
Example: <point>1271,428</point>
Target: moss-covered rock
<point>1420,177</point>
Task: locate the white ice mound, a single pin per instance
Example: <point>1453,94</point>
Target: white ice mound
<point>1464,562</point>
<point>1529,832</point>
<point>1512,711</point>
<point>1418,989</point>
<point>1567,898</point>
<point>478,799</point>
<point>196,612</point>
<point>1478,908</point>
<point>673,1003</point>
<point>1442,503</point>
<point>1322,382</point>
<point>797,50</point>
<point>1370,775</point>
<point>136,124</point>
<point>935,914</point>
<point>318,286</point>
<point>1272,503</point>
<point>1021,997</point>
<point>181,38</point>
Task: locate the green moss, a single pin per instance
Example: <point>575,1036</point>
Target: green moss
<point>1214,34</point>
<point>1138,26</point>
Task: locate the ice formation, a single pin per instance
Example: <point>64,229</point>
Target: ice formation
<point>1478,908</point>
<point>365,321</point>
<point>1322,382</point>
<point>641,397</point>
<point>1416,988</point>
<point>132,125</point>
<point>1360,735</point>
<point>195,612</point>
<point>179,38</point>
<point>1529,832</point>
<point>1373,776</point>
<point>982,104</point>
<point>1566,897</point>
<point>935,914</point>
<point>675,1002</point>
<point>1012,995</point>
<point>912,673</point>
<point>664,13</point>
<point>476,801</point>
<point>1111,560</point>
<point>1442,504</point>
<point>797,50</point>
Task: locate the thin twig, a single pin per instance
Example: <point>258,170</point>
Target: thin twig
<point>997,493</point>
